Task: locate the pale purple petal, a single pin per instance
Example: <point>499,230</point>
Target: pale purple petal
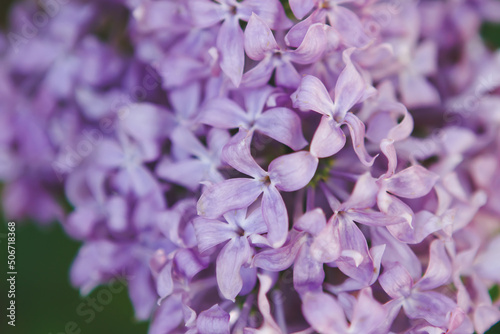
<point>281,258</point>
<point>439,269</point>
<point>293,171</point>
<point>283,125</point>
<point>213,321</point>
<point>312,95</point>
<point>349,89</point>
<point>228,195</point>
<point>275,215</point>
<point>230,44</point>
<point>164,282</point>
<point>308,274</point>
<point>324,313</point>
<point>326,245</point>
<point>328,138</point>
<point>312,222</point>
<point>259,39</point>
<point>301,7</point>
<point>224,114</point>
<point>312,47</point>
<point>260,74</point>
<point>412,182</point>
<point>210,232</point>
<point>431,306</point>
<point>232,256</point>
<point>396,281</point>
<point>237,154</point>
<point>364,194</point>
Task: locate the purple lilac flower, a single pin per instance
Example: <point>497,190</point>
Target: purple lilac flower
<point>202,150</point>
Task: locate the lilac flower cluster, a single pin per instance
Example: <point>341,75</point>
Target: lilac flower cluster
<point>260,166</point>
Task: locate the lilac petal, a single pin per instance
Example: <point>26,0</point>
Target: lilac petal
<point>254,223</point>
<point>357,130</point>
<point>109,154</point>
<point>430,305</point>
<point>237,154</point>
<point>387,148</point>
<point>416,91</point>
<point>210,233</point>
<point>188,173</point>
<point>393,206</point>
<point>325,247</point>
<point>349,89</point>
<point>396,281</point>
<point>308,274</point>
<point>283,125</point>
<point>287,75</point>
<point>270,11</point>
<point>232,256</point>
<point>373,218</point>
<point>168,316</point>
<point>349,26</point>
<point>328,139</point>
<point>213,321</point>
<point>281,258</point>
<point>117,213</point>
<point>312,95</point>
<point>186,100</point>
<point>312,222</point>
<point>256,100</point>
<point>188,263</point>
<point>164,282</point>
<point>368,313</point>
<point>205,13</point>
<point>292,171</point>
<point>259,39</point>
<point>142,292</point>
<point>324,313</point>
<point>230,44</point>
<point>485,316</point>
<point>404,128</point>
<point>275,216</point>
<point>224,114</point>
<point>412,182</point>
<point>249,278</point>
<point>439,269</point>
<point>425,58</point>
<point>364,194</point>
<point>312,47</point>
<point>296,35</point>
<point>228,195</point>
<point>260,74</point>
<point>185,139</point>
<point>301,7</point>
<point>396,252</point>
<point>269,325</point>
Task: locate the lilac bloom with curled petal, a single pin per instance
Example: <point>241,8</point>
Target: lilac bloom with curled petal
<point>415,90</point>
<point>239,231</point>
<point>352,255</point>
<point>412,182</point>
<point>308,274</point>
<point>347,23</point>
<point>349,90</point>
<point>206,13</point>
<point>287,173</point>
<point>416,298</point>
<point>213,321</point>
<point>202,166</point>
<point>260,45</point>
<point>279,123</point>
<point>326,315</point>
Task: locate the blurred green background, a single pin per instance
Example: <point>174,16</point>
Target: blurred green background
<point>45,300</point>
